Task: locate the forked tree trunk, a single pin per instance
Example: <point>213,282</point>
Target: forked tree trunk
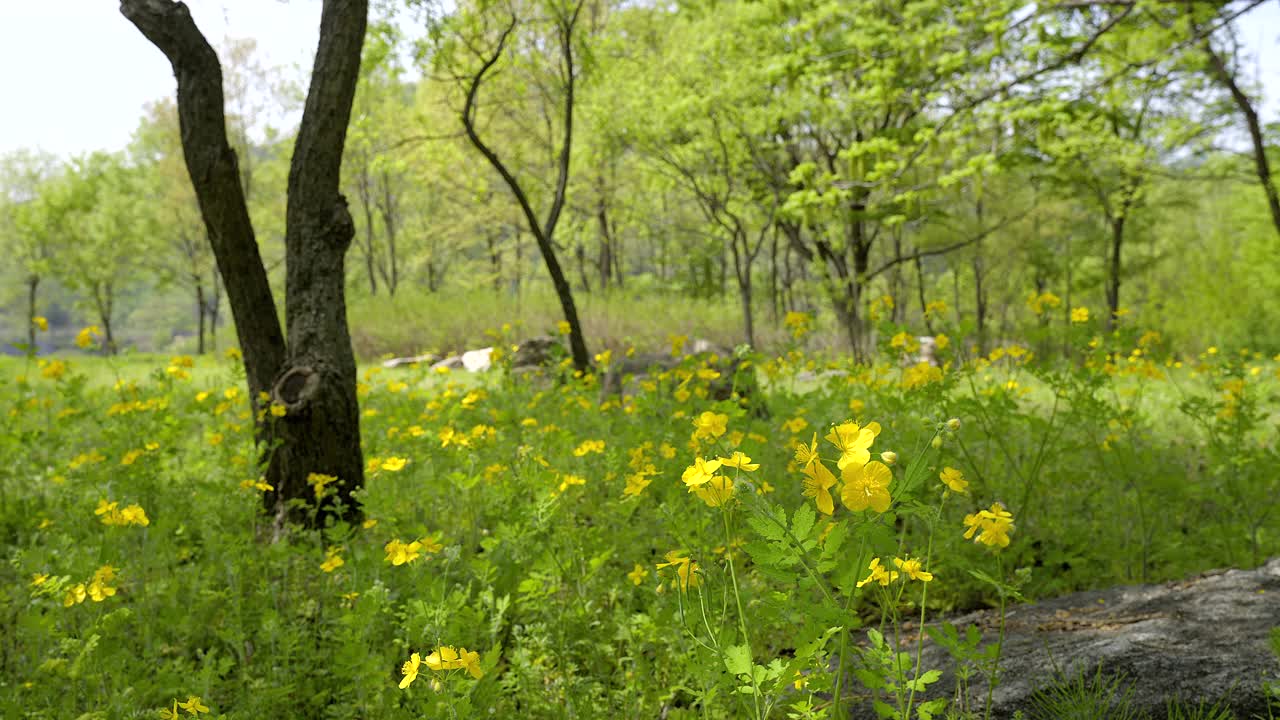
<point>313,374</point>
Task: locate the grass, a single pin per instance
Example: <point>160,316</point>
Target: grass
<point>557,537</point>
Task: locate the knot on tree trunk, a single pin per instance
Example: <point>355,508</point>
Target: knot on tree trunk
<point>342,226</point>
<point>295,388</point>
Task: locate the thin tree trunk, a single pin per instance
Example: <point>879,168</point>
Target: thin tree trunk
<point>1113,270</point>
<point>33,282</point>
<point>924,304</point>
<point>366,204</point>
<point>200,315</point>
<point>1260,163</point>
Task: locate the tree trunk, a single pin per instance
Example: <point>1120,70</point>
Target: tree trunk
<point>215,310</point>
<point>200,315</point>
<point>366,204</point>
<point>391,224</point>
<point>924,304</point>
<point>312,375</point>
<point>1113,270</point>
<point>1260,163</point>
<point>103,298</point>
<point>543,232</point>
<point>33,282</point>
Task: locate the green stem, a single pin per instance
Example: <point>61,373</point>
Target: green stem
<point>995,661</point>
<point>742,618</point>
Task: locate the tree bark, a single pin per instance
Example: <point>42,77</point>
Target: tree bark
<point>33,282</point>
<point>312,375</point>
<point>200,315</point>
<point>1260,163</point>
<point>1113,270</point>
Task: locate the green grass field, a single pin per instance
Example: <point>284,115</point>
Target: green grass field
<point>531,549</point>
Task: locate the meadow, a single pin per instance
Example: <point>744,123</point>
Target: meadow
<point>533,547</point>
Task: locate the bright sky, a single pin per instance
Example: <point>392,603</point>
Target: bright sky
<point>76,74</point>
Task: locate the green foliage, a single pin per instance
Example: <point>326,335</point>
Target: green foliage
<point>555,537</point>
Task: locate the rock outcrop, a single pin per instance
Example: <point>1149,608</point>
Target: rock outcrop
<point>1202,639</point>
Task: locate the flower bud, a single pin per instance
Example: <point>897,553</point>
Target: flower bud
<point>953,424</point>
<point>937,442</point>
<point>889,457</point>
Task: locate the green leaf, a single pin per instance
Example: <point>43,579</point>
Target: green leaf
<point>737,659</point>
<point>802,522</point>
<point>924,680</point>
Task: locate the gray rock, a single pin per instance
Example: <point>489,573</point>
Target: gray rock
<point>409,361</point>
<point>453,362</point>
<point>1202,639</point>
<point>534,352</point>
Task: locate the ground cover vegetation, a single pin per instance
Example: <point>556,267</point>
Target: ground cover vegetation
<point>529,549</point>
<point>1073,201</point>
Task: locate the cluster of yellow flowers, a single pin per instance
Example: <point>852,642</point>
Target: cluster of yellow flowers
<point>447,657</point>
<point>88,337</point>
<point>992,526</point>
<point>400,553</point>
<point>642,468</point>
<point>686,570</point>
<point>865,481</point>
<point>98,589</point>
<point>879,574</point>
<point>111,513</point>
<point>799,323</point>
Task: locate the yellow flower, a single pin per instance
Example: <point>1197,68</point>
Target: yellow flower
<point>569,480</point>
<point>866,486</point>
<point>38,579</point>
<point>740,461</point>
<point>332,560</point>
<point>318,481</point>
<point>193,705</point>
<point>637,575</point>
<point>469,660</point>
<point>215,439</point>
<point>41,323</point>
<point>394,464</point>
<point>563,327</point>
<point>817,485</point>
<point>795,425</point>
<point>53,369</point>
<point>912,569</point>
<point>954,479</point>
<point>700,472</point>
<point>636,483</point>
<point>431,543</point>
<point>444,658</point>
<point>75,595</point>
<point>879,574</point>
<point>589,446</point>
<point>88,336</point>
<point>130,457</point>
<point>853,442</point>
<point>134,515</point>
<point>1080,315</point>
<point>170,714</point>
<point>399,553</point>
<point>410,670</point>
<point>992,526</point>
<point>716,492</point>
<point>807,455</point>
<point>710,425</point>
<point>686,569</point>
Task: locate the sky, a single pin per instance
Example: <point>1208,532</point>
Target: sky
<point>76,74</point>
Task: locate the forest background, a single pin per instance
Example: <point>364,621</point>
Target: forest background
<point>706,168</point>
